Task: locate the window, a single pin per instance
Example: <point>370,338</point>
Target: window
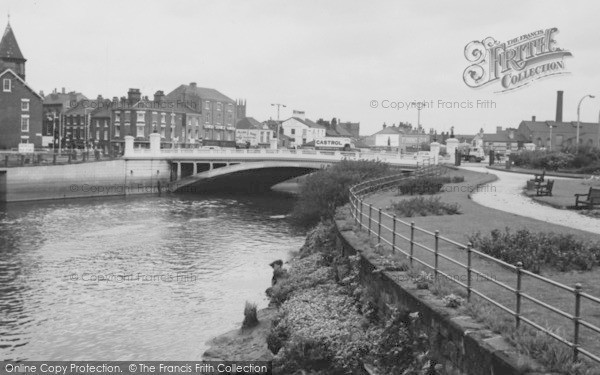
<point>97,134</point>
<point>106,123</point>
<point>163,118</point>
<point>140,131</point>
<point>293,131</point>
<point>117,131</point>
<point>117,117</point>
<point>140,116</point>
<point>106,135</point>
<point>219,106</point>
<point>207,118</point>
<point>7,85</point>
<point>206,105</point>
<point>162,132</point>
<point>24,104</point>
<point>25,123</point>
<point>153,125</point>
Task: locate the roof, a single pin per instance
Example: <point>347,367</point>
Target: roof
<point>249,123</point>
<point>22,81</point>
<point>389,130</point>
<point>60,98</point>
<point>307,122</point>
<point>202,92</point>
<point>9,48</point>
<point>338,131</point>
<point>544,126</point>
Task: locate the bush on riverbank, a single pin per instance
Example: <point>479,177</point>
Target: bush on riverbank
<point>563,252</point>
<point>421,206</point>
<point>327,325</point>
<point>325,190</point>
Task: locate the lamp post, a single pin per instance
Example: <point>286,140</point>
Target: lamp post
<point>598,140</point>
<point>578,120</point>
<point>279,105</point>
<point>550,145</point>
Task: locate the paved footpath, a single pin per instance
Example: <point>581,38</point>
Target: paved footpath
<point>506,194</point>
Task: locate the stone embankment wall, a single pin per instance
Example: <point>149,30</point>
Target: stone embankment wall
<point>457,341</point>
<point>92,179</point>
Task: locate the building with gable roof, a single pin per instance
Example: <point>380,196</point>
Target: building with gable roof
<point>249,131</point>
<point>20,105</point>
<point>301,129</point>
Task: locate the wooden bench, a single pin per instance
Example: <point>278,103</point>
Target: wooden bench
<point>538,178</point>
<point>544,189</point>
<point>589,200</point>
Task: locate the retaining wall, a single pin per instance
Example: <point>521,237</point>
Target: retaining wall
<point>92,179</point>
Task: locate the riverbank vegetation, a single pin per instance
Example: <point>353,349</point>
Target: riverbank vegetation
<point>323,191</point>
<point>327,325</point>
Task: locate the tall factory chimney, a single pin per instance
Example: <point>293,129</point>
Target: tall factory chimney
<point>559,106</point>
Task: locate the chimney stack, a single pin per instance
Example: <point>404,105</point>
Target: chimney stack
<point>498,129</point>
<point>384,125</point>
<point>63,90</point>
<point>158,96</point>
<point>133,95</point>
<point>193,85</point>
<point>533,118</point>
<point>559,106</point>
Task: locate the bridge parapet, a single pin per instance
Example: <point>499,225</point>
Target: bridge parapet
<point>274,154</point>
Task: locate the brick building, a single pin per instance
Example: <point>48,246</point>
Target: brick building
<point>20,105</point>
<point>54,107</point>
<point>220,113</point>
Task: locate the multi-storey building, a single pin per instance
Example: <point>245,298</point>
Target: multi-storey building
<point>178,124</point>
<point>20,105</point>
<point>219,112</point>
<point>253,133</point>
<point>55,105</point>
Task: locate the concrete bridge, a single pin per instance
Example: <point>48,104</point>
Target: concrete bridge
<point>249,169</point>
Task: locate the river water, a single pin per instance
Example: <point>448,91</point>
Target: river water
<point>136,278</point>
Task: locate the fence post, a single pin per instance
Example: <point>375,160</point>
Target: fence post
<point>437,240</point>
<point>379,227</point>
<point>361,214</point>
<point>370,212</point>
<point>469,248</point>
<point>518,293</point>
<point>393,234</point>
<point>576,321</point>
<point>412,241</point>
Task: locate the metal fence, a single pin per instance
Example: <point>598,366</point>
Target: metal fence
<point>372,219</point>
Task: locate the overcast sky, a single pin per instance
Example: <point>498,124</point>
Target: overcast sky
<point>328,58</point>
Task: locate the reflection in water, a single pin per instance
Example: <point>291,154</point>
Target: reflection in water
<point>144,278</point>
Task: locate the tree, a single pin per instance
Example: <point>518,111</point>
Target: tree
<point>333,121</point>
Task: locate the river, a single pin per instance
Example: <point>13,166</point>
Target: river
<point>135,278</point>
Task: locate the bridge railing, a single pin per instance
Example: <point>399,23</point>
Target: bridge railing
<point>291,153</point>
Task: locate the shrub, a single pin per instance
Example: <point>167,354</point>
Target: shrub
<point>583,160</point>
<point>427,184</point>
<point>250,315</point>
<point>561,251</point>
<point>325,190</point>
<point>452,300</point>
<point>421,206</point>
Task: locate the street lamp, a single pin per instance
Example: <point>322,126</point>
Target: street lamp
<point>578,120</point>
<point>278,123</point>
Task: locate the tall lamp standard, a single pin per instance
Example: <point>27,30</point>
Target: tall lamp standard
<point>578,120</point>
<point>279,105</point>
<point>598,140</point>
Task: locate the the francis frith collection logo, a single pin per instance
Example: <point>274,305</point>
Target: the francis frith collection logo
<point>514,63</point>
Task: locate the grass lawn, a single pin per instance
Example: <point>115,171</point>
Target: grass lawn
<point>475,218</point>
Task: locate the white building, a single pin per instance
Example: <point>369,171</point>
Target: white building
<point>251,131</point>
<point>301,129</point>
<point>395,136</point>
